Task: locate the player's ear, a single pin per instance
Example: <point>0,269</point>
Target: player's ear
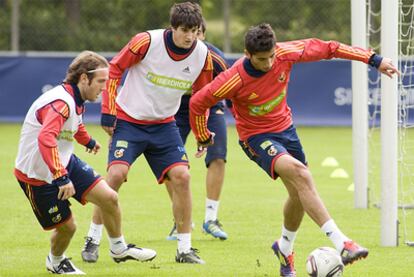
<point>84,78</point>
<point>247,54</point>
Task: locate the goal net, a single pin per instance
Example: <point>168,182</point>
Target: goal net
<point>405,124</point>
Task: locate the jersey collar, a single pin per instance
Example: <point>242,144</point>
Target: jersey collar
<point>247,65</point>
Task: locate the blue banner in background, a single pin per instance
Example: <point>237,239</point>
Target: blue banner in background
<point>319,93</point>
<point>24,78</point>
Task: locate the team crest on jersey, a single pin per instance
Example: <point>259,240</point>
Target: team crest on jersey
<point>272,151</point>
<point>119,153</point>
<point>282,77</point>
<point>57,218</point>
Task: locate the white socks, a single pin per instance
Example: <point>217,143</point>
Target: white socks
<point>56,259</point>
<point>286,241</point>
<point>117,245</point>
<point>329,228</point>
<point>184,242</point>
<point>334,234</point>
<point>95,232</point>
<point>211,210</point>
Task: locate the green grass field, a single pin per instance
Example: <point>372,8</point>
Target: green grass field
<point>250,209</point>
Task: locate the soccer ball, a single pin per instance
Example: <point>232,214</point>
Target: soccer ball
<point>324,262</point>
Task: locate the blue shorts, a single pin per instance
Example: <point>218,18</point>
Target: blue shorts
<point>49,210</point>
<point>215,123</point>
<point>161,144</point>
<point>264,149</point>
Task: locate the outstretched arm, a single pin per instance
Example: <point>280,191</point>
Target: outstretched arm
<point>315,49</point>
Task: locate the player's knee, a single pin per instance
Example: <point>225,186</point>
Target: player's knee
<point>67,229</point>
<point>181,180</point>
<point>217,163</point>
<point>303,172</point>
<point>116,176</point>
<point>108,200</point>
<point>112,199</point>
<point>303,177</point>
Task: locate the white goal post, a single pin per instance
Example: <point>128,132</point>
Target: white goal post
<point>389,118</point>
<point>389,127</point>
<point>359,107</point>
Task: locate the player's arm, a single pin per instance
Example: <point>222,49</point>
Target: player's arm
<point>219,61</point>
<point>222,87</point>
<point>220,64</point>
<point>130,55</point>
<point>205,77</point>
<point>316,49</point>
<point>82,137</point>
<point>52,117</point>
<point>383,64</point>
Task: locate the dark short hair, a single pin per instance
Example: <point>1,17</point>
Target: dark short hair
<point>187,14</point>
<point>86,62</point>
<point>260,38</point>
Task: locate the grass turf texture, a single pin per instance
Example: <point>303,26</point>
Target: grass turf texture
<point>250,209</point>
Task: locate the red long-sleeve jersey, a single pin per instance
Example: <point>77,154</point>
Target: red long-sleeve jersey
<point>52,117</point>
<point>132,53</point>
<point>260,102</point>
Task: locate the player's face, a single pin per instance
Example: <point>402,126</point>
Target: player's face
<point>184,37</point>
<point>93,88</point>
<point>262,61</point>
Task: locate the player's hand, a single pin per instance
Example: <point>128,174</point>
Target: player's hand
<point>95,149</point>
<point>386,67</point>
<point>109,130</point>
<point>66,191</point>
<point>202,146</point>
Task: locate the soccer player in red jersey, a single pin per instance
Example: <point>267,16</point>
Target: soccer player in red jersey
<point>162,65</point>
<point>257,86</point>
<point>49,173</point>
